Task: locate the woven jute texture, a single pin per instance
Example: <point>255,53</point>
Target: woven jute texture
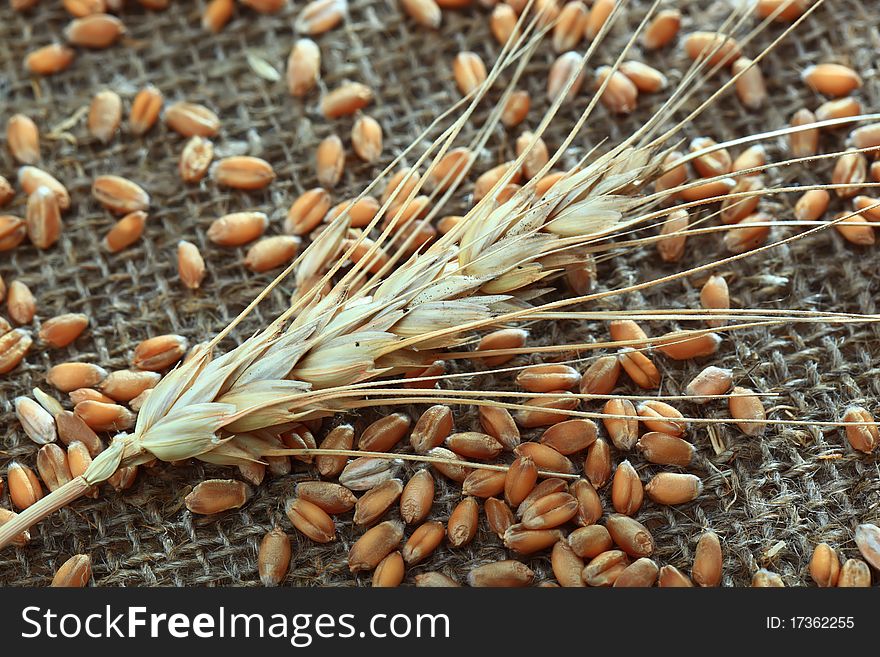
<point>771,499</point>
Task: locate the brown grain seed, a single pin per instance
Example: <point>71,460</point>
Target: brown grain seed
<point>360,212</point>
<point>123,478</point>
<point>80,8</point>
<point>745,405</point>
<point>474,445</point>
<point>145,109</point>
<point>125,385</point>
<point>79,459</point>
<point>714,295</point>
<point>550,511</point>
<point>865,438</point>
<point>567,566</point>
<point>716,189</point>
<point>192,120</point>
<point>94,31</point>
<point>597,465</point>
<point>37,422</point>
<point>708,561</point>
<point>271,252</point>
<point>711,164</point>
<point>195,159</point>
<point>748,234</point>
<point>498,516</point>
<point>522,475</point>
<point>273,559</point>
<point>673,488</point>
<point>23,139</point>
<point>546,378</point>
<point>137,403</point>
<point>320,16</point>
<point>449,168</point>
<point>340,437</point>
<point>624,432</point>
<point>53,467</point>
<point>6,195</point>
<point>303,67</point>
<point>329,497</point>
<point>502,23</point>
<point>662,29</point>
<point>832,79</point>
<point>217,14</point>
<point>376,501</point>
<point>366,139</point>
<point>735,209</point>
<point>19,540</point>
<point>74,573</point>
<point>640,573</point>
<point>589,503</point>
<point>660,416</point>
<point>600,377</point>
<point>630,535</point>
<point>783,11</point>
<point>469,71</point>
<point>49,60</point>
<point>544,411</point>
<point>803,143</point>
<point>605,568</point>
<point>70,376</point>
<point>432,428</point>
<point>544,488</point>
<point>88,394</point>
<point>712,47</point>
<point>24,487</point>
<point>72,429</point>
<point>665,449</point>
<point>369,550</point>
<point>866,136</point>
<point>311,520</point>
<point>505,574</point>
<point>627,491</point>
<point>484,483</point>
<point>20,303</point>
<point>105,417</point>
<point>417,497</point>
<point>569,28</point>
<point>640,368</point>
<point>674,234</point>
<point>237,228</point>
<point>854,574</point>
<point>120,195</point>
<point>159,353</point>
<point>675,174</point>
<point>545,458</point>
<point>243,172</point>
<point>868,207</point>
<point>536,158</point>
<point>567,66</point>
<point>765,579</point>
<point>330,161</point>
<point>851,169</point>
<point>516,108</point>
<point>599,14</point>
<point>424,540</point>
<point>307,211</point>
<point>589,542</point>
<point>501,339</point>
<point>868,541</point>
<point>491,178</point>
<point>434,579</point>
<point>672,577</point>
<point>365,472</point>
<point>383,434</point>
<point>570,436</point>
<point>13,230</point>
<point>626,330</point>
<point>855,229</point>
<point>499,423</point>
<point>346,99</point>
<point>60,331</point>
<point>424,12</point>
<point>463,521</point>
<point>687,345</point>
<point>646,78</point>
<point>751,158</point>
<point>401,185</point>
<point>711,381</point>
<point>825,566</point>
<point>750,87</point>
<point>838,109</point>
<point>190,264</point>
<point>125,232</point>
<point>43,218</point>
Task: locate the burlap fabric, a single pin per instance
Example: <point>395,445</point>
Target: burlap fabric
<point>770,499</point>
